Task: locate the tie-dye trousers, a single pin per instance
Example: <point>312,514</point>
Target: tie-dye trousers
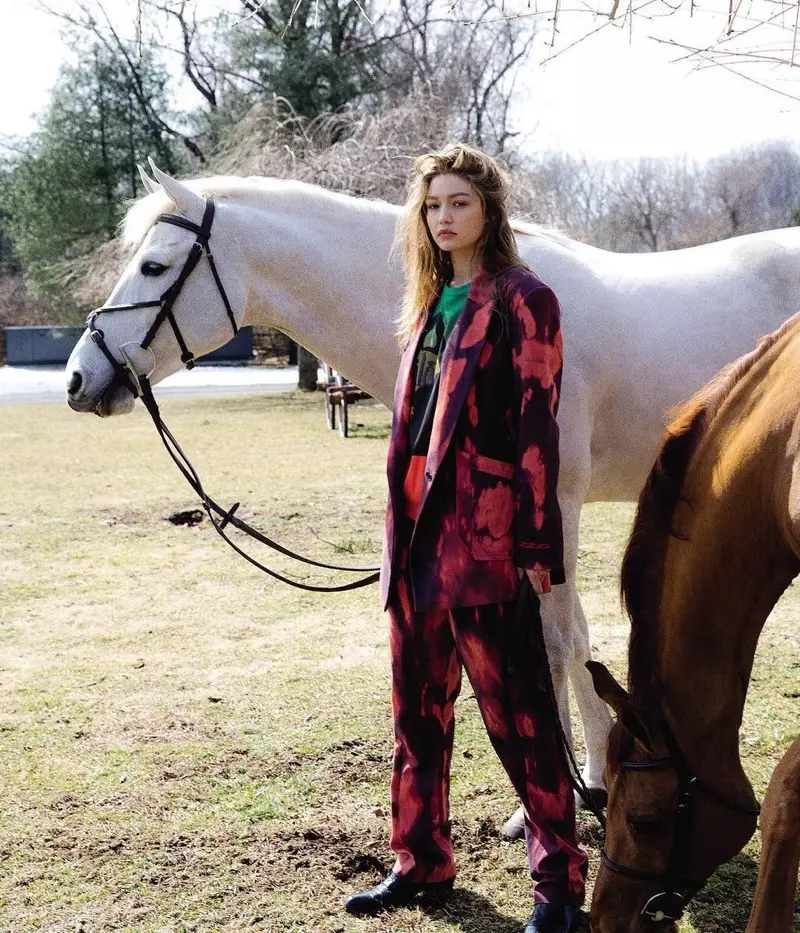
<point>507,672</point>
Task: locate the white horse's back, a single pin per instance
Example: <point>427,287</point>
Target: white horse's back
<point>643,331</point>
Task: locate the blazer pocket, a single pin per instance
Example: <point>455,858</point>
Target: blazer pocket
<point>485,505</point>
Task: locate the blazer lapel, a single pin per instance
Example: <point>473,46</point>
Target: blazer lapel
<point>398,448</point>
<point>459,360</point>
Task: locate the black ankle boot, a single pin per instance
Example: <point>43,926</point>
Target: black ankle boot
<point>394,891</point>
<point>553,918</point>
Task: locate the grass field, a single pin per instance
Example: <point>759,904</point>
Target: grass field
<point>187,746</point>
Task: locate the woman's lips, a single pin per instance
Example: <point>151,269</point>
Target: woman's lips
<point>446,233</point>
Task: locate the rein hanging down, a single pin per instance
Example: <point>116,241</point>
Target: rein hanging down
<point>125,375</point>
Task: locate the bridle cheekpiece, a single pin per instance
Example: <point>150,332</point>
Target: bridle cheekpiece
<point>670,903</point>
<point>138,384</point>
<point>124,374</point>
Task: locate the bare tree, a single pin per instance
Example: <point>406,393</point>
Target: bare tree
<point>199,46</point>
<point>648,203</point>
<point>757,188</point>
<point>471,65</point>
<point>669,203</point>
<point>732,190</point>
<point>567,192</point>
<point>91,17</point>
<point>759,41</point>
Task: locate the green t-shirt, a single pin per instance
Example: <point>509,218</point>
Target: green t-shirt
<point>450,305</point>
<point>426,378</point>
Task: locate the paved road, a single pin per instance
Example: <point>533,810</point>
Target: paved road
<point>20,384</point>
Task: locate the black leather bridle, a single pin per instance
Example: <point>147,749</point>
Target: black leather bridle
<point>678,888</point>
<point>166,301</point>
<point>138,385</point>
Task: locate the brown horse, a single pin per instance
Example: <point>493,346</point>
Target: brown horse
<point>715,542</point>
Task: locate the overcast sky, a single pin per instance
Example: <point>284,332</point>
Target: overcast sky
<point>608,97</point>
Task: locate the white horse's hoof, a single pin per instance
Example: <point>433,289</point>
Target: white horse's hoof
<point>514,827</point>
<point>598,798</point>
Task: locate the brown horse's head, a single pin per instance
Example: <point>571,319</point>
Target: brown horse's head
<point>665,834</point>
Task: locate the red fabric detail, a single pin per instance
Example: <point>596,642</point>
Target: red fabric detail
<point>461,554</point>
<point>508,682</point>
<point>412,486</point>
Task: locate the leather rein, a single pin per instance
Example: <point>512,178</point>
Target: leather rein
<point>125,375</point>
<point>669,904</point>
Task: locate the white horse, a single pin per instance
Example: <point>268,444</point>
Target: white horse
<point>641,333</point>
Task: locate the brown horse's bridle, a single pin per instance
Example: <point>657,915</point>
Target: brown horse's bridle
<point>138,385</point>
<point>669,903</point>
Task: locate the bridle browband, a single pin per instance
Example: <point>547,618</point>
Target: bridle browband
<point>669,904</point>
<point>139,386</point>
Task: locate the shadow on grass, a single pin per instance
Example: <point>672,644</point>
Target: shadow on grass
<point>723,906</point>
<point>373,432</point>
<point>475,914</point>
<point>472,912</point>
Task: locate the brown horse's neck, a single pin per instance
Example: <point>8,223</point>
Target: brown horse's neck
<point>722,578</point>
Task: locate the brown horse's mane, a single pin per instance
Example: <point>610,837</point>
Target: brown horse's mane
<point>643,562</point>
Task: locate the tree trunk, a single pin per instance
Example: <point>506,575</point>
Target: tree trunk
<point>307,370</point>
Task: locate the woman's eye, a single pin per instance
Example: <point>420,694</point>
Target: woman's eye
<point>152,268</point>
<point>431,207</point>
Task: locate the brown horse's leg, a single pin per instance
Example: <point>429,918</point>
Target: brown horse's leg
<point>773,904</point>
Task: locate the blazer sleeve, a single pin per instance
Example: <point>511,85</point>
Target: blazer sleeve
<point>537,361</point>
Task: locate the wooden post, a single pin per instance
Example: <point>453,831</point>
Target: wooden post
<point>307,370</point>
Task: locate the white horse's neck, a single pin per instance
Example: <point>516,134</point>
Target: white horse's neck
<point>319,270</point>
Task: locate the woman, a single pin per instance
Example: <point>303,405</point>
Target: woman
<point>473,532</point>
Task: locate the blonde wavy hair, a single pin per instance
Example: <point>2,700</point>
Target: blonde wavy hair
<point>428,268</point>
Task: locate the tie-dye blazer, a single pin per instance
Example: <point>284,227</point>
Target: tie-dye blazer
<point>488,503</point>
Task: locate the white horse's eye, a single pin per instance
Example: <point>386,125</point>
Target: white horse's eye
<point>151,268</point>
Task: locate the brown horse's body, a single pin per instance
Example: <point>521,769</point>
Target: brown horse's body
<point>715,543</point>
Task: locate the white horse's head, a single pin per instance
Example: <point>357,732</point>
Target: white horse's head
<point>201,319</point>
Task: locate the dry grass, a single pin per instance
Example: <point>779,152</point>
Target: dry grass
<point>185,745</point>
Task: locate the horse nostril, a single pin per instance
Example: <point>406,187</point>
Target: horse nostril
<point>74,384</point>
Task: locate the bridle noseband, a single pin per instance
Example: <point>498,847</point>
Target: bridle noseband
<point>138,385</point>
<point>669,904</point>
<point>202,231</point>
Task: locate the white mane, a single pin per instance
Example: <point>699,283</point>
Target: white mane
<point>143,213</point>
<point>526,228</point>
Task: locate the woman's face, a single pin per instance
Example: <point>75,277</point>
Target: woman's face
<point>454,213</point>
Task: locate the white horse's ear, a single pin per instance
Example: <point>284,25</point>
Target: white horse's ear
<point>186,200</point>
<point>150,186</point>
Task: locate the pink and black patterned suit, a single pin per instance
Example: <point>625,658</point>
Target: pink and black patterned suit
<point>485,505</point>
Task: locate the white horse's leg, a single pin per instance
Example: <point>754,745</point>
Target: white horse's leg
<point>556,627</point>
<point>566,636</point>
<point>557,624</point>
<point>595,715</point>
<point>568,648</point>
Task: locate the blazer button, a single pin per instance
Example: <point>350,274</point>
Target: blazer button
<point>428,475</point>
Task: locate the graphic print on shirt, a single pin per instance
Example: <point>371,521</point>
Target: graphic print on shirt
<point>428,365</point>
<point>426,386</point>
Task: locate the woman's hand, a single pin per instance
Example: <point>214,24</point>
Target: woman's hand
<point>540,579</point>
